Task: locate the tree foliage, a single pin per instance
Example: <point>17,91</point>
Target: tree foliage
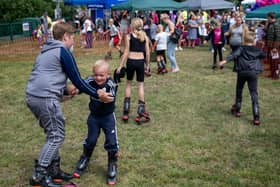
<point>11,11</point>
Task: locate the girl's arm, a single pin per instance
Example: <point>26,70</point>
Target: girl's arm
<point>125,54</point>
<point>147,49</point>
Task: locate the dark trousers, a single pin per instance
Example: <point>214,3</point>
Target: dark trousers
<point>89,39</point>
<point>217,49</point>
<point>108,125</point>
<point>252,80</point>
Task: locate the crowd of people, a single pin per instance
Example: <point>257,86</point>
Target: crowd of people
<point>141,34</point>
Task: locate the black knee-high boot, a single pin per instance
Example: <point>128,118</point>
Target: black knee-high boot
<point>56,173</point>
<point>256,114</point>
<point>164,70</point>
<point>159,67</point>
<point>126,108</point>
<point>83,162</point>
<point>112,167</point>
<point>41,177</point>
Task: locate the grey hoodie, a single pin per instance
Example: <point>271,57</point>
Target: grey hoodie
<point>52,67</point>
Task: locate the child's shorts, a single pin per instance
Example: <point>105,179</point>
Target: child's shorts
<point>137,66</point>
<point>160,52</point>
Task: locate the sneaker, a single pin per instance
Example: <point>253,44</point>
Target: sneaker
<point>212,50</point>
<point>180,49</point>
<point>224,49</point>
<point>175,70</point>
<point>176,48</point>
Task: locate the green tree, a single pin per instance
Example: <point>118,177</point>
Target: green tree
<point>15,10</point>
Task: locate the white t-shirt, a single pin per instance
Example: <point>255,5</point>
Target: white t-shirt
<point>161,39</point>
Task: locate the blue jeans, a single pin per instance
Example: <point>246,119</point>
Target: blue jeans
<point>108,125</point>
<point>171,54</point>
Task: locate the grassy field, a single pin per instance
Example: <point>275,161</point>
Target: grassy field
<point>192,140</point>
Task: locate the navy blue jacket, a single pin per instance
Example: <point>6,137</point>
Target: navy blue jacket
<point>97,107</point>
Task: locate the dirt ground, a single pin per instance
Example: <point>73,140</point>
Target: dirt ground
<point>26,49</point>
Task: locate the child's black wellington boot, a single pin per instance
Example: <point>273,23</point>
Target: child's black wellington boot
<point>56,173</point>
<point>82,162</point>
<point>40,178</point>
<point>143,116</point>
<point>126,108</point>
<point>256,114</point>
<point>112,167</point>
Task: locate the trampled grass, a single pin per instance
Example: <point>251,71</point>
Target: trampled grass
<point>192,139</point>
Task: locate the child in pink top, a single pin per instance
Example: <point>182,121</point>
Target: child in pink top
<point>216,36</point>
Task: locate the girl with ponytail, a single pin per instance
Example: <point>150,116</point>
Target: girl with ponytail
<point>136,55</point>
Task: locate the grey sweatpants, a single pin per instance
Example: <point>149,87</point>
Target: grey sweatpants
<point>49,114</point>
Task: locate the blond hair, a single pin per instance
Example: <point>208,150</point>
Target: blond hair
<point>101,63</point>
<point>249,38</point>
<point>60,29</point>
<point>159,28</point>
<point>137,26</point>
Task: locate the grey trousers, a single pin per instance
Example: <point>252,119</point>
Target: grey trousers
<point>49,114</point>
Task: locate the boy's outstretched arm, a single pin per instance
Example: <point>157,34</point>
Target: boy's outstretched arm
<point>71,70</point>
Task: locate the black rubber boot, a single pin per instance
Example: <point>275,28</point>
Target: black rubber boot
<point>82,162</point>
<point>143,116</point>
<point>56,173</point>
<point>126,108</point>
<point>141,107</point>
<point>159,67</point>
<point>112,167</point>
<point>256,114</point>
<point>41,178</point>
<point>235,109</point>
<point>108,56</point>
<point>164,70</point>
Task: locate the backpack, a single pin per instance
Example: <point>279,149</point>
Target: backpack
<point>175,36</point>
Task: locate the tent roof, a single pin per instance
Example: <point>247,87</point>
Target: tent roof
<point>262,12</point>
<point>207,4</point>
<point>106,3</point>
<point>148,5</point>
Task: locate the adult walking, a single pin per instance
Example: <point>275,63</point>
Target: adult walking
<point>170,28</point>
<point>236,33</point>
<point>273,44</point>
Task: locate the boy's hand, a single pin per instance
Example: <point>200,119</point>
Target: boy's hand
<point>222,63</point>
<point>105,97</point>
<point>72,90</point>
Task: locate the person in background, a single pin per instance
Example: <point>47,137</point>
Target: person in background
<point>192,33</point>
<point>115,39</point>
<point>247,66</point>
<point>216,37</point>
<point>136,55</point>
<point>273,44</point>
<point>170,28</point>
<point>160,46</point>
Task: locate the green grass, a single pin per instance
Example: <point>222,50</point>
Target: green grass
<point>192,140</point>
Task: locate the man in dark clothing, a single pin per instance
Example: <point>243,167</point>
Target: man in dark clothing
<point>273,44</point>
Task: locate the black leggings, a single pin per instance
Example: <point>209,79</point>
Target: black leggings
<point>137,66</point>
<point>217,49</point>
<point>252,79</point>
